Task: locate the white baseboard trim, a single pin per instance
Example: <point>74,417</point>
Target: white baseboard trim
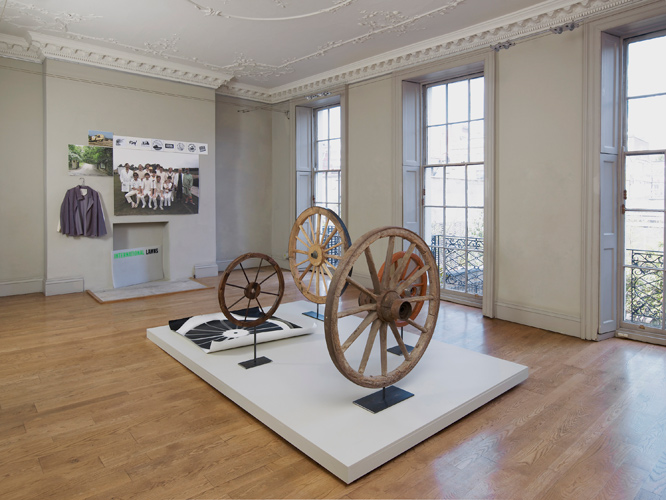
<point>205,270</point>
<point>61,286</point>
<point>546,320</point>
<point>21,287</point>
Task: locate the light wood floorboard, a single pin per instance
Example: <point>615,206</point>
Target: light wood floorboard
<point>89,408</point>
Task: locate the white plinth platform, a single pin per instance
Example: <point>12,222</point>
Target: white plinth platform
<point>303,398</point>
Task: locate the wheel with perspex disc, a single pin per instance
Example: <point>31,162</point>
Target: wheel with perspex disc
<point>391,300</point>
<point>317,242</point>
<point>257,293</point>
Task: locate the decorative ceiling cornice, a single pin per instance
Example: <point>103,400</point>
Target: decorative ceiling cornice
<point>167,64</point>
<point>63,49</point>
<point>17,48</point>
<point>209,11</point>
<point>518,25</point>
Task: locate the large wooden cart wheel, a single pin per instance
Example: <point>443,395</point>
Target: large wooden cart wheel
<point>317,242</point>
<point>388,302</point>
<point>244,287</point>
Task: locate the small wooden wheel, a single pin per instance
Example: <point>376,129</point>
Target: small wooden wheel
<point>387,302</point>
<point>235,288</point>
<point>417,289</point>
<point>318,240</point>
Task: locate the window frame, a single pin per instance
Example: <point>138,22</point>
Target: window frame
<point>303,150</point>
<point>409,185</point>
<point>447,293</point>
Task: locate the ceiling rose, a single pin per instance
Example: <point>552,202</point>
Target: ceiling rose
<point>284,10</point>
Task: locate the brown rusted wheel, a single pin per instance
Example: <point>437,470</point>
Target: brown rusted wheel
<point>241,289</point>
<point>317,242</point>
<point>387,302</point>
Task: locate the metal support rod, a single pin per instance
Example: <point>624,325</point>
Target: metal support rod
<point>254,332</point>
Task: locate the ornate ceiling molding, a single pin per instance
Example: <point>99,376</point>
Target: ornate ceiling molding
<point>527,22</point>
<point>17,48</point>
<point>209,11</point>
<point>51,47</point>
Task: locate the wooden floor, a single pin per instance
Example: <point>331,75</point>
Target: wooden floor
<point>89,408</point>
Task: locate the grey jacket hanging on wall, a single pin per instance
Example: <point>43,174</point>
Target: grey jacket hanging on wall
<point>81,214</point>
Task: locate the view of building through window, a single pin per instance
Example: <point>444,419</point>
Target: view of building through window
<point>644,175</point>
<point>453,180</point>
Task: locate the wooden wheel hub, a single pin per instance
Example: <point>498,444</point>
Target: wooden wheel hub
<point>393,307</point>
<point>315,255</point>
<point>252,290</point>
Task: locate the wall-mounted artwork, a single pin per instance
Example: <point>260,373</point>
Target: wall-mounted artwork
<point>150,182</point>
<point>99,138</point>
<point>90,160</point>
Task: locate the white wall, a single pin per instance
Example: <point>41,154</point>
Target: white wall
<point>539,174</point>
<point>22,185</point>
<point>79,98</point>
<point>244,179</point>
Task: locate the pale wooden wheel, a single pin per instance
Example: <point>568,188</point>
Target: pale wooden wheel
<point>236,288</point>
<point>318,241</point>
<point>386,304</point>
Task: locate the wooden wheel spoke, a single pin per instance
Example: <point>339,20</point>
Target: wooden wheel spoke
<point>263,313</point>
<point>247,309</point>
<point>317,270</point>
<point>301,251</point>
<point>269,293</point>
<point>419,298</point>
<point>305,272</point>
<point>310,280</point>
<point>232,305</point>
<point>387,261</point>
<point>335,246</point>
<point>235,286</point>
<point>324,265</point>
<point>317,239</point>
<point>269,276</point>
<point>373,270</point>
<point>323,281</point>
<point>312,229</point>
<point>302,262</point>
<point>404,285</point>
<point>356,310</point>
<point>256,276</point>
<point>418,327</point>
<point>382,348</point>
<point>304,244</point>
<point>402,265</point>
<point>332,256</point>
<point>323,227</point>
<point>399,340</point>
<point>368,346</point>
<point>359,330</point>
<point>244,274</point>
<point>328,238</point>
<point>360,287</point>
<point>306,237</point>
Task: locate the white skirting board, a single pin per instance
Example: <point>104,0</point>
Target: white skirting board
<point>302,397</point>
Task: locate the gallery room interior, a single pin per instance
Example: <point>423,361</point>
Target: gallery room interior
<point>481,179</point>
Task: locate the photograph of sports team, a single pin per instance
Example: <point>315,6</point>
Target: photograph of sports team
<point>155,182</point>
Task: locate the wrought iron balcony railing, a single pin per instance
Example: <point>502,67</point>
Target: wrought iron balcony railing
<point>644,288</point>
<point>460,262</point>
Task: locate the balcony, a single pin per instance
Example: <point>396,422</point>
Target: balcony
<point>644,288</point>
<point>460,262</point>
